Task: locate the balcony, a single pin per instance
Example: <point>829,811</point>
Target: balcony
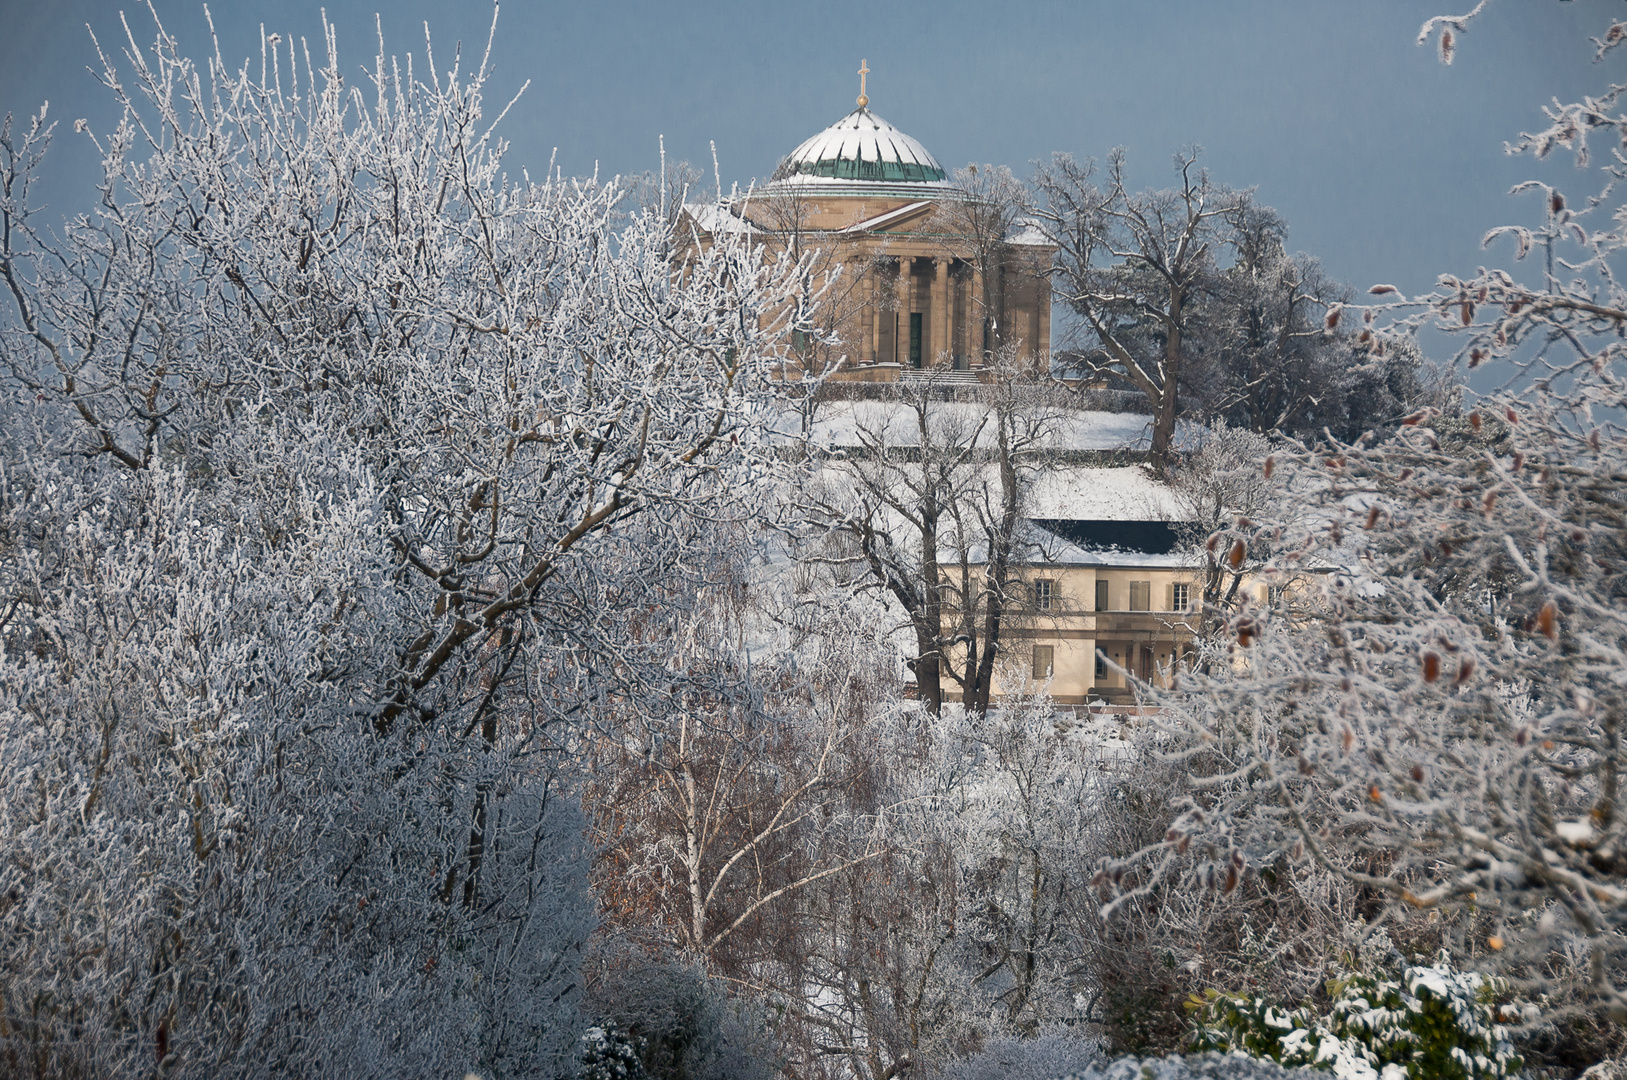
<point>1137,624</point>
<point>1156,624</point>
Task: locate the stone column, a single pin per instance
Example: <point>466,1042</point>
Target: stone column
<point>976,319</point>
<point>1031,331</point>
<point>904,291</point>
<point>907,308</point>
<point>1042,298</point>
<point>873,291</point>
<point>939,336</point>
<point>851,319</point>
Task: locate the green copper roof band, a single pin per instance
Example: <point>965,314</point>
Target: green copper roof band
<point>840,169</point>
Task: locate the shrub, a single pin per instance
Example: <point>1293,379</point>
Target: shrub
<point>606,1052</point>
<point>1430,1023</point>
<point>666,1020</point>
<point>1046,1056</point>
<point>1210,1066</point>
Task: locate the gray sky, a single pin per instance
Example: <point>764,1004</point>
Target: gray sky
<point>1386,164</point>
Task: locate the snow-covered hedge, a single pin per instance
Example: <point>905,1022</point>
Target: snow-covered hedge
<point>1430,1023</point>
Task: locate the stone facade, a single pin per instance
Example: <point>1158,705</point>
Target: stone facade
<point>1141,612</point>
<point>916,272</point>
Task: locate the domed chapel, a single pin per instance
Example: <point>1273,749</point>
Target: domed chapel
<point>935,275</point>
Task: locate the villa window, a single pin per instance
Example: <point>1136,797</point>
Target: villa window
<point>1140,596</point>
<point>1043,591</point>
<point>1044,661</point>
<point>1101,666</point>
<point>1101,596</point>
<point>1180,596</point>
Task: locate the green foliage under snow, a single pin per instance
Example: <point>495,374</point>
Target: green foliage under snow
<point>1430,1023</point>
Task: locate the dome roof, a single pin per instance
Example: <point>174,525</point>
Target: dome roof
<point>862,146</point>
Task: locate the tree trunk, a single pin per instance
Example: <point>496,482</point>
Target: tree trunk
<point>1163,428</point>
<point>928,669</point>
<point>929,621</point>
<point>997,572</point>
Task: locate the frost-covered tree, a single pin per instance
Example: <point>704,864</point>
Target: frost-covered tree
<point>1216,485</point>
<point>723,795</point>
<point>1446,733</point>
<point>1191,298</point>
<point>1134,268</point>
<point>897,885</point>
<point>1273,354</point>
<point>926,510</point>
<point>323,441</point>
<point>964,929</point>
<point>990,207</point>
<point>1265,360</point>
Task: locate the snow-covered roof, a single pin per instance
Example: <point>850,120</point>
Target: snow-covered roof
<point>716,220</point>
<point>891,217</point>
<point>862,146</point>
<point>1089,493</point>
<point>1027,231</point>
<point>1034,545</point>
<point>841,423</point>
<point>1069,491</point>
<point>836,187</point>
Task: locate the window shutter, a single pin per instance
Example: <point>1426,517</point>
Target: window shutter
<point>1170,605</point>
<point>1044,661</point>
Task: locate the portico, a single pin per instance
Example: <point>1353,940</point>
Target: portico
<point>931,276</point>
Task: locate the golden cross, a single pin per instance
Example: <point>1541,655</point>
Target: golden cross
<point>863,71</point>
